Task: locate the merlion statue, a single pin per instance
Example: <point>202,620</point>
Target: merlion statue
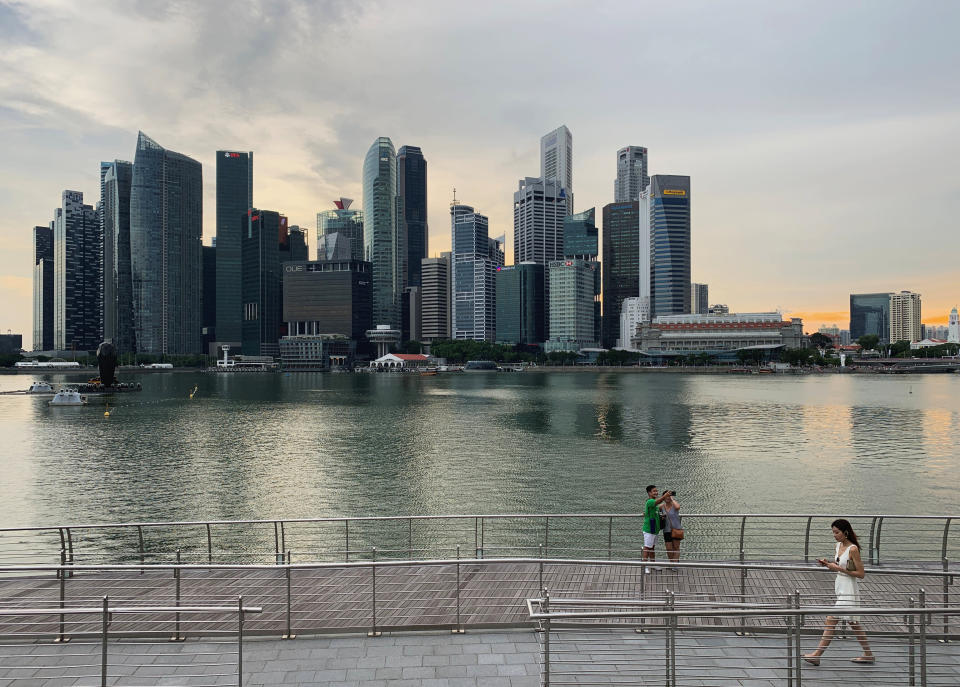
<point>107,362</point>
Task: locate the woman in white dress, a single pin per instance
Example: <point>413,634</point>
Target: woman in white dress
<point>849,568</point>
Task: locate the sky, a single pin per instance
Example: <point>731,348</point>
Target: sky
<point>821,137</point>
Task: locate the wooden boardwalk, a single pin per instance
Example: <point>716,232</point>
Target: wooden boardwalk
<point>417,596</point>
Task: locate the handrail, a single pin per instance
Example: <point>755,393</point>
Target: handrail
<point>81,610</point>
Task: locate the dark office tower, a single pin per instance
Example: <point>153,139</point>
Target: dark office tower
<point>234,198</point>
<point>298,244</point>
<point>669,244</point>
<point>521,309</point>
<point>117,273</point>
<point>347,225</point>
<point>208,324</point>
<point>621,264</point>
<point>474,286</point>
<point>435,298</point>
<point>382,242</point>
<point>43,288</point>
<point>78,255</point>
<point>263,251</point>
<point>412,189</point>
<point>870,314</point>
<point>412,305</point>
<point>632,176</point>
<point>166,221</point>
<point>328,298</point>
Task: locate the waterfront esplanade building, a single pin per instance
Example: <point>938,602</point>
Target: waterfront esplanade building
<point>718,334</point>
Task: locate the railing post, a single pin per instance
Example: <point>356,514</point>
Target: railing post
<point>540,569</point>
<point>176,601</point>
<point>946,580</point>
<point>103,643</point>
<point>546,535</point>
<point>373,598</point>
<point>546,639</point>
<point>409,538</point>
<point>923,639</point>
<point>63,547</point>
<point>911,655</point>
<point>806,541</point>
<point>643,584</point>
<point>142,552</point>
<point>70,548</point>
<point>476,537</point>
<point>209,545</point>
<point>790,623</point>
<point>668,638</point>
<point>610,538</point>
<point>458,630</point>
<point>240,641</point>
<point>62,574</point>
<point>289,574</point>
<point>798,623</point>
<point>283,538</point>
<point>481,537</point>
<point>277,551</point>
<point>346,540</point>
<point>743,573</point>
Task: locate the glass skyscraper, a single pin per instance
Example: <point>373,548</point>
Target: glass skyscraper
<point>669,244</point>
<point>263,249</point>
<point>347,225</point>
<point>632,176</point>
<point>621,264</point>
<point>166,222</point>
<point>870,314</point>
<point>521,310</point>
<point>234,198</point>
<point>78,276</point>
<point>382,243</point>
<point>43,288</point>
<point>538,211</point>
<point>556,161</point>
<point>117,273</point>
<point>474,288</point>
<point>412,189</point>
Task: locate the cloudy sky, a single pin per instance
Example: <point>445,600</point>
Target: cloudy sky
<point>822,138</point>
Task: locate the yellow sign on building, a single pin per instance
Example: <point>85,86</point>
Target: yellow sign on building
<point>674,192</point>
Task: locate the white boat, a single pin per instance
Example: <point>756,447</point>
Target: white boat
<point>40,388</point>
<point>68,397</point>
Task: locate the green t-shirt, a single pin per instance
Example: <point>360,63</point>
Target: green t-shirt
<point>651,517</point>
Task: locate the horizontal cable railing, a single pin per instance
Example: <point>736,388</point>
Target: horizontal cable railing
<point>885,539</point>
<point>376,595</point>
<point>626,641</point>
<point>97,655</point>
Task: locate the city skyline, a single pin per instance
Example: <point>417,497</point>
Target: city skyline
<point>795,171</point>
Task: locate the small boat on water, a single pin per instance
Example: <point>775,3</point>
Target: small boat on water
<point>68,397</point>
<point>40,388</point>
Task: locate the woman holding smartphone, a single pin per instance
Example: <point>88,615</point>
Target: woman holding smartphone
<point>849,568</point>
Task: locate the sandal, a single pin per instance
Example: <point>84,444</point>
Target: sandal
<point>865,660</point>
<point>812,660</point>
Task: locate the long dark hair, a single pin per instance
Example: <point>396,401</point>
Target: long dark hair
<point>847,529</point>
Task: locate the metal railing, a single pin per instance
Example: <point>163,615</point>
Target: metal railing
<point>374,595</point>
<point>718,536</point>
<point>97,653</point>
<point>602,642</point>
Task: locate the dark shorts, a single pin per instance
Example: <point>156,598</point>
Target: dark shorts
<point>666,536</point>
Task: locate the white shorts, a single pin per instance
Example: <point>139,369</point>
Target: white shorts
<point>649,540</point>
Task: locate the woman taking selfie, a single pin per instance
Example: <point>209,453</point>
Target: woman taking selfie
<point>849,568</point>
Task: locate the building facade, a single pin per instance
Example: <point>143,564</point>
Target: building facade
<point>633,312</point>
<point>117,269</point>
<point>905,317</point>
<point>299,252</point>
<point>573,287</point>
<point>78,275</point>
<point>382,243</point>
<point>43,288</point>
<point>699,299</point>
<point>316,351</point>
<point>412,189</point>
<point>328,297</point>
<point>521,306</point>
<point>166,222</point>
<point>208,323</point>
<point>870,314</point>
<point>621,264</point>
<point>581,240</point>
<point>704,333</point>
<point>669,244</point>
<point>632,176</point>
<point>340,232</point>
<point>262,253</point>
<point>435,298</point>
<point>538,210</point>
<point>474,286</point>
<point>234,198</point>
<point>953,327</point>
<point>556,161</point>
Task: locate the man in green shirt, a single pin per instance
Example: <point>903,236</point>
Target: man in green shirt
<point>651,522</point>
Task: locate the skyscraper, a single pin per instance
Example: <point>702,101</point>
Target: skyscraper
<point>581,241</point>
<point>347,224</point>
<point>573,323</point>
<point>382,243</point>
<point>234,198</point>
<point>621,264</point>
<point>435,298</point>
<point>43,288</point>
<point>521,311</point>
<point>166,222</point>
<point>474,288</point>
<point>412,189</point>
<point>538,211</point>
<point>632,176</point>
<point>208,323</point>
<point>670,244</point>
<point>870,314</point>
<point>298,244</point>
<point>78,270</point>
<point>699,299</point>
<point>117,273</point>
<point>556,161</point>
<point>262,252</point>
<point>328,297</point>
<point>905,316</point>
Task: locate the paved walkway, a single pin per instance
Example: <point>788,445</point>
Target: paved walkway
<point>475,659</point>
